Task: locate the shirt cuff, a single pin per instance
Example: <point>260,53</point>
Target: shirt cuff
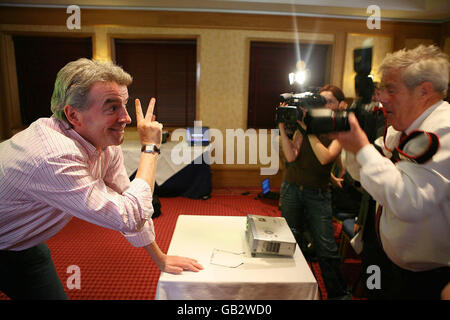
<point>142,238</point>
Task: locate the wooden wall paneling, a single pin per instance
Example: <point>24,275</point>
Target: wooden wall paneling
<point>232,177</point>
<point>338,59</point>
<point>12,118</point>
<point>148,18</point>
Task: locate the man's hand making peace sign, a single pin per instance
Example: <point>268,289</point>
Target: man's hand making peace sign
<point>150,131</point>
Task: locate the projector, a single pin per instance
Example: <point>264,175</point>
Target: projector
<point>269,235</point>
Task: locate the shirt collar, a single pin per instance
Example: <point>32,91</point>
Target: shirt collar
<point>71,133</point>
<point>416,123</point>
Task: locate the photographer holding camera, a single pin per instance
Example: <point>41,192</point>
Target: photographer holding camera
<point>306,194</point>
<point>410,177</point>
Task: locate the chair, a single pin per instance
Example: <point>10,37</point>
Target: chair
<point>341,216</point>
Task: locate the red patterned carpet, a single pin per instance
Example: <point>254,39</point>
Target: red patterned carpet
<point>111,269</point>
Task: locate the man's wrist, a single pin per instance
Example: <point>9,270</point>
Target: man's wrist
<point>157,255</point>
<point>150,148</point>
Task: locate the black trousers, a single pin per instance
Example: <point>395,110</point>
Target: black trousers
<point>397,283</point>
<point>30,275</point>
<point>423,285</point>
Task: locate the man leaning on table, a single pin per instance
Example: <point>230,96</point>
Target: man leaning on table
<point>409,176</point>
<point>71,165</point>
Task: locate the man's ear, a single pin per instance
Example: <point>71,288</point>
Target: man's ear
<point>426,88</point>
<point>72,115</point>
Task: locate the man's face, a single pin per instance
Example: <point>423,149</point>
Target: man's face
<point>104,121</point>
<point>402,104</point>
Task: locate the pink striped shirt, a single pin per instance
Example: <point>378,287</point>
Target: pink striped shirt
<point>49,173</point>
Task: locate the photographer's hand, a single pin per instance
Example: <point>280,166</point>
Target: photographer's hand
<point>353,140</point>
<point>302,122</point>
<point>290,148</point>
<point>342,105</point>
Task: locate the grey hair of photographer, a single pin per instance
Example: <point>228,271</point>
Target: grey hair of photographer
<point>424,63</point>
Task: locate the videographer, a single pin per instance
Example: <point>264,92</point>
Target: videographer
<point>306,195</point>
<point>410,177</point>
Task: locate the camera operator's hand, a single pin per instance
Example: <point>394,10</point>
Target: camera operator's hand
<point>342,105</point>
<point>150,131</point>
<point>302,122</point>
<point>352,140</point>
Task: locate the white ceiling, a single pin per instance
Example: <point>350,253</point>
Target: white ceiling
<point>414,10</point>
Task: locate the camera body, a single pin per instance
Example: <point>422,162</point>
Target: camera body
<point>298,106</point>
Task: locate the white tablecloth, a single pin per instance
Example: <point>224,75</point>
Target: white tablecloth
<point>261,277</point>
<point>173,158</point>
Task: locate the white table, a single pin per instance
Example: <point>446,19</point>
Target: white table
<point>261,277</point>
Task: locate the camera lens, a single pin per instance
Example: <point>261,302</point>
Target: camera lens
<point>323,120</point>
<point>341,121</point>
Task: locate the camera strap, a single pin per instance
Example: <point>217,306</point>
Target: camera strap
<point>418,147</point>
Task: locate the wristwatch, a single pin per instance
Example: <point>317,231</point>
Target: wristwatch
<point>150,148</point>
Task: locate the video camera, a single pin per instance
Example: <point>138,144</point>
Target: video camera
<point>310,107</point>
<point>319,119</point>
<point>295,104</point>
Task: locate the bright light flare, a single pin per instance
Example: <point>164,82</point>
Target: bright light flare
<point>299,77</point>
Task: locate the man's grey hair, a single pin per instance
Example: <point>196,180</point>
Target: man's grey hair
<point>424,63</point>
<point>75,80</point>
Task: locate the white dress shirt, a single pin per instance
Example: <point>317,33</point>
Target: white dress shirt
<point>415,222</point>
<point>49,173</point>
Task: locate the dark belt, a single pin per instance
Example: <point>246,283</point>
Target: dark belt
<point>322,189</point>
